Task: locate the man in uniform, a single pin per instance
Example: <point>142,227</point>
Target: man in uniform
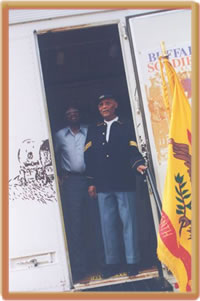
<point>112,159</point>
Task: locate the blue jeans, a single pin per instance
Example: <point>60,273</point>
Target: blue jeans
<point>74,196</point>
<point>113,205</point>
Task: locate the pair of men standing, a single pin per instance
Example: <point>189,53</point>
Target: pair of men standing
<point>111,158</point>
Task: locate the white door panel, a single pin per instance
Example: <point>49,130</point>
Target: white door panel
<point>37,251</point>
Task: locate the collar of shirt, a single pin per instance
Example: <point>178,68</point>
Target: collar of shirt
<point>83,130</point>
<point>109,123</point>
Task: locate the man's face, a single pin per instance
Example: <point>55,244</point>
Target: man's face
<point>72,115</point>
<point>107,108</point>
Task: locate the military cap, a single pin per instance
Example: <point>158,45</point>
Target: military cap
<point>106,96</point>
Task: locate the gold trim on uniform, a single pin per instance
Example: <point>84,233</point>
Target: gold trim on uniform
<point>136,162</point>
<point>88,145</point>
<point>99,124</point>
<point>132,143</point>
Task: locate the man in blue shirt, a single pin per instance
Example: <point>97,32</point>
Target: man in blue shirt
<point>69,149</point>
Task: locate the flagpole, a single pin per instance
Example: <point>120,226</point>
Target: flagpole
<point>164,85</point>
<point>154,191</point>
<point>163,48</point>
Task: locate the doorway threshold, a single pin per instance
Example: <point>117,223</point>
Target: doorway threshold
<point>97,281</point>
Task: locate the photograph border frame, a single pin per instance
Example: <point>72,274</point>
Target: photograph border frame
<point>6,5</point>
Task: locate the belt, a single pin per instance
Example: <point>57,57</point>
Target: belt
<point>71,173</point>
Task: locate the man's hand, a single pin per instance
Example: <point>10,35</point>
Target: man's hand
<point>92,192</point>
<point>141,169</point>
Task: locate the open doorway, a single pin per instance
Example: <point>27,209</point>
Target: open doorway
<point>78,66</point>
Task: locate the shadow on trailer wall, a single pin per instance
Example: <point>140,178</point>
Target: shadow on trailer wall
<point>78,66</point>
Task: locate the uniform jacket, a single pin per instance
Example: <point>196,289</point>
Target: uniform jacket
<point>111,166</point>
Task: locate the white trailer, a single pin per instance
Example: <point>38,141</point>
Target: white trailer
<point>62,54</point>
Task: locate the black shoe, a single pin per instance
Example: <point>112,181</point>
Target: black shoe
<point>132,269</point>
<point>109,270</point>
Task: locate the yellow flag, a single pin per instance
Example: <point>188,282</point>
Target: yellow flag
<point>174,237</point>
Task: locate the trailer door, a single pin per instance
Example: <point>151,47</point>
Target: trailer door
<point>146,32</point>
<point>37,250</point>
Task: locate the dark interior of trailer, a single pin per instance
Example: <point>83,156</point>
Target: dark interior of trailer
<point>78,66</point>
